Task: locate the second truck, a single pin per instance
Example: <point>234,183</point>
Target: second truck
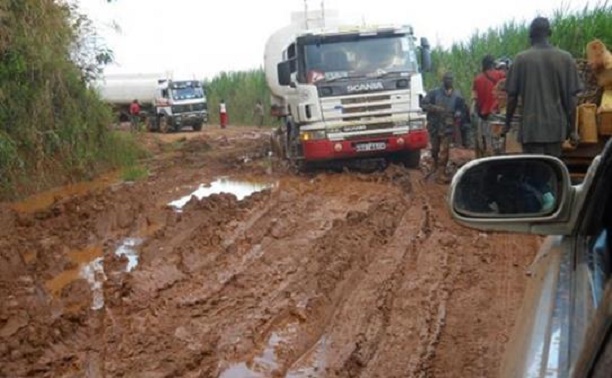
<point>167,104</point>
<point>346,92</point>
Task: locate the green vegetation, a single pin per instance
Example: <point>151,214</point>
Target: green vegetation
<point>240,90</point>
<point>571,32</point>
<point>53,128</point>
<point>134,173</point>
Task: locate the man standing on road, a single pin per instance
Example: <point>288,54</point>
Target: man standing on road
<point>134,114</point>
<point>483,101</point>
<point>444,107</point>
<point>222,114</point>
<point>546,80</point>
<point>259,113</point>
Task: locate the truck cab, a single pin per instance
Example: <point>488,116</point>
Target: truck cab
<point>348,92</point>
<point>179,103</point>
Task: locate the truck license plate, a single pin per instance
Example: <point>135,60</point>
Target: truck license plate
<point>372,146</point>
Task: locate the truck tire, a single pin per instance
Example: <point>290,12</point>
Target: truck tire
<point>198,126</point>
<point>164,125</point>
<point>277,145</point>
<point>149,124</point>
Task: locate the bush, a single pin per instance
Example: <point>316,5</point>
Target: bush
<point>53,128</point>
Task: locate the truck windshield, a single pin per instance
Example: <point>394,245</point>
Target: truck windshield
<point>186,92</point>
<point>354,56</point>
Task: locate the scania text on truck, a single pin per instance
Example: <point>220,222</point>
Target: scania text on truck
<point>346,92</point>
<point>167,104</point>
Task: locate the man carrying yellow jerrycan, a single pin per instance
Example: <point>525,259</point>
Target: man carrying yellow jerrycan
<point>593,121</point>
<point>586,99</point>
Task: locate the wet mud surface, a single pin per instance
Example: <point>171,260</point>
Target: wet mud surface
<point>261,273</point>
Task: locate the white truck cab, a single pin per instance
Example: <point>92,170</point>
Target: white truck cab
<point>345,92</point>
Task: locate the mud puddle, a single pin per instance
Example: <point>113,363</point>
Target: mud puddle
<point>266,364</point>
<point>89,265</point>
<point>241,189</point>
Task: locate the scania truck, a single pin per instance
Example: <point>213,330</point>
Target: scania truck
<point>346,92</point>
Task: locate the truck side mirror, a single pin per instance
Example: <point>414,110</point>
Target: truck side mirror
<point>284,72</point>
<point>425,55</point>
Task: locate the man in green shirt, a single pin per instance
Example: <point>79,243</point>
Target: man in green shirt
<point>545,79</point>
<point>445,109</point>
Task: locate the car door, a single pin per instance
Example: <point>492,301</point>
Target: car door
<point>591,336</point>
<point>566,293</point>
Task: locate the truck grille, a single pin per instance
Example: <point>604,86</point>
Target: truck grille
<point>365,99</point>
<point>367,108</point>
<point>186,108</point>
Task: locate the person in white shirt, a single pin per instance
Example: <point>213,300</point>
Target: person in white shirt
<point>222,114</point>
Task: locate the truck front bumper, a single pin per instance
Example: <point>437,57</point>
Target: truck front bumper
<point>189,119</point>
<point>324,149</point>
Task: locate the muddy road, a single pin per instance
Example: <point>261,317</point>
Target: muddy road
<point>322,274</point>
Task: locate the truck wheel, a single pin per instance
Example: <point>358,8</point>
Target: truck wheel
<point>411,159</point>
<point>277,145</point>
<point>164,125</point>
<point>198,126</point>
<point>149,124</point>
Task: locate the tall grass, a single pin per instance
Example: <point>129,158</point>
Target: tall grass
<point>240,90</point>
<point>572,30</point>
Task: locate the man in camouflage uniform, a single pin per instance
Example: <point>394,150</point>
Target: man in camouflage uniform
<point>445,107</point>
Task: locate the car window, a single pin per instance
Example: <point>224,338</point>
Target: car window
<point>599,241</point>
<point>592,280</point>
<point>596,358</point>
<point>603,362</point>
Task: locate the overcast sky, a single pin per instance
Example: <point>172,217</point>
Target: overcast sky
<point>204,37</point>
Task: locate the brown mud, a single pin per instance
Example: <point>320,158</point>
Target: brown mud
<point>322,274</point>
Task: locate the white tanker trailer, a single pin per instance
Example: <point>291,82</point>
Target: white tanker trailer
<point>166,104</point>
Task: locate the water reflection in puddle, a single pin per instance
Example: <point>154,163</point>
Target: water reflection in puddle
<point>267,363</point>
<point>261,366</point>
<point>128,250</point>
<point>94,274</point>
<point>311,363</point>
<point>91,268</point>
<point>240,189</point>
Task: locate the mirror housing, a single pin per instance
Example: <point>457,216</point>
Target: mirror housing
<point>425,55</point>
<point>513,193</point>
<point>284,73</point>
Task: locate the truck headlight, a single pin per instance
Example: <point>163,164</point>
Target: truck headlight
<point>416,124</point>
<point>312,135</point>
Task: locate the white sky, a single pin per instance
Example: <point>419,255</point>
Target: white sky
<point>204,37</point>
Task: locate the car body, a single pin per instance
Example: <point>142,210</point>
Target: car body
<point>564,328</point>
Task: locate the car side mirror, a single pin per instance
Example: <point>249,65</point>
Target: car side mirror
<point>514,193</point>
<point>510,187</point>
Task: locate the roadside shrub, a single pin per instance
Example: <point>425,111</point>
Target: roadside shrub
<point>53,128</point>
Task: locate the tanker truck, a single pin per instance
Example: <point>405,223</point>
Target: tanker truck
<point>166,104</point>
<point>346,92</point>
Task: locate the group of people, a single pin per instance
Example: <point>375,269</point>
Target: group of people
<point>258,113</point>
<point>543,78</point>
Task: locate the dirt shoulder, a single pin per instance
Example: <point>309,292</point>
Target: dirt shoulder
<point>313,275</point>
